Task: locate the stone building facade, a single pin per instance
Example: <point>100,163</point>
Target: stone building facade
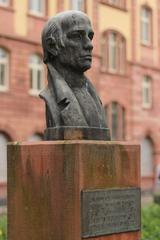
<point>125,71</point>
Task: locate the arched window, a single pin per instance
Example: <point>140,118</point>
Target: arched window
<point>147,92</point>
<point>36,74</point>
<point>146,25</point>
<point>113,52</point>
<point>3,69</point>
<point>118,3</point>
<point>3,157</point>
<point>36,137</point>
<point>122,55</point>
<point>115,115</point>
<point>146,157</point>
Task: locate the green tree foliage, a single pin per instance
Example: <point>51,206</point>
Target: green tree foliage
<point>151,222</point>
<point>3,227</point>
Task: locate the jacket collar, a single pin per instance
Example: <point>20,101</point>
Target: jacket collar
<point>58,84</point>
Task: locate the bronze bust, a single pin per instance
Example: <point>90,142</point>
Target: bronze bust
<point>71,100</point>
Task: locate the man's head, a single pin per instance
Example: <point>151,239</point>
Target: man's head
<point>67,39</point>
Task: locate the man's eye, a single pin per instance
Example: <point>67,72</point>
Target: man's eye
<point>90,35</point>
<point>76,36</point>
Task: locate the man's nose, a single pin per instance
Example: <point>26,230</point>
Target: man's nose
<point>88,44</point>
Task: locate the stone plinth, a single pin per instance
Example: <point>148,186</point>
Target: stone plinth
<point>46,181</point>
<point>77,133</point>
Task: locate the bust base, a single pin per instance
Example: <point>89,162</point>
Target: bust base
<point>77,133</point>
<point>48,182</point>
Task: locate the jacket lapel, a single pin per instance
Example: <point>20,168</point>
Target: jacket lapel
<point>67,103</point>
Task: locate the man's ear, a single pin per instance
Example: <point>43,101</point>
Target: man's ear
<point>52,46</point>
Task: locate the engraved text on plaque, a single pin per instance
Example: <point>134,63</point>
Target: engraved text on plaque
<point>108,211</point>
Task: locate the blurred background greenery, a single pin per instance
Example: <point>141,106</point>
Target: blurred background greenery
<point>3,227</point>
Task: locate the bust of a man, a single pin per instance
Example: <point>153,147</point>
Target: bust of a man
<point>71,100</point>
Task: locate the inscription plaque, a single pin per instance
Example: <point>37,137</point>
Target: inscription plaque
<point>108,211</point>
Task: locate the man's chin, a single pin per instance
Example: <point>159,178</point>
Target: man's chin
<point>86,67</point>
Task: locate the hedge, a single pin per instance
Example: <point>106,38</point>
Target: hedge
<point>151,222</point>
<point>3,227</point>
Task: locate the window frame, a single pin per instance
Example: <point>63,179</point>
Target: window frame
<point>144,21</point>
<point>120,62</point>
<point>119,132</point>
<point>6,138</point>
<point>147,90</point>
<point>114,118</point>
<point>34,68</point>
<point>121,5</point>
<point>146,171</point>
<point>35,137</point>
<point>38,13</point>
<point>5,4</point>
<point>77,5</point>
<point>122,55</point>
<point>112,53</point>
<point>5,62</point>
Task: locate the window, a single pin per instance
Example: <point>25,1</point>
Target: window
<point>158,175</point>
<point>3,157</point>
<point>146,22</point>
<point>36,137</point>
<point>36,74</point>
<point>147,92</point>
<point>37,7</point>
<point>115,115</point>
<point>3,69</point>
<point>146,157</point>
<point>4,2</point>
<point>77,4</point>
<point>114,52</point>
<point>122,55</point>
<point>117,3</point>
<point>114,122</point>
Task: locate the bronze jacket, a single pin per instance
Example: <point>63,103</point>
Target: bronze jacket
<point>65,108</point>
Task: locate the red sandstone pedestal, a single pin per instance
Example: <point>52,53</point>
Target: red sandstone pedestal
<point>48,183</point>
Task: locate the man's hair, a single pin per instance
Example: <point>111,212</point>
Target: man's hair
<point>52,30</point>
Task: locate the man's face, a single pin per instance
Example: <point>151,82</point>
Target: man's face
<point>77,38</point>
